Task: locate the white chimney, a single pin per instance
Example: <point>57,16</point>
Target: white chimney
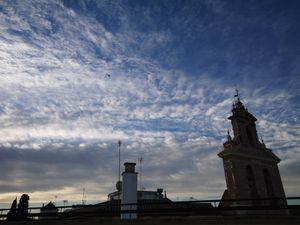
<point>129,191</point>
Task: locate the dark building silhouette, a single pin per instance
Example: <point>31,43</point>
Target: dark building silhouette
<point>251,170</point>
<point>48,211</point>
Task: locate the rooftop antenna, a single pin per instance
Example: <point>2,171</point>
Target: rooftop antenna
<point>119,143</point>
<point>141,171</point>
<point>83,196</point>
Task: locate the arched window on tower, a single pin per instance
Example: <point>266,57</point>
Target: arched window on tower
<point>252,184</point>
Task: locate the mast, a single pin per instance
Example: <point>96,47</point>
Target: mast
<point>119,143</point>
<point>83,196</point>
<point>141,171</point>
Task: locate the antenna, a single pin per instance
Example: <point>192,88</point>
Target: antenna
<point>119,143</point>
<point>83,196</point>
<point>141,171</point>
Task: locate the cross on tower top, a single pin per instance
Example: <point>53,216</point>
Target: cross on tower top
<point>237,94</point>
<point>237,104</point>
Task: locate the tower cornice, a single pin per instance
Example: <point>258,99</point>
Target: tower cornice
<point>240,153</point>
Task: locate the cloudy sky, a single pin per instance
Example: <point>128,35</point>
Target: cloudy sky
<point>174,66</point>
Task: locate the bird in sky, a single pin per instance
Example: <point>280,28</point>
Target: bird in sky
<point>108,75</point>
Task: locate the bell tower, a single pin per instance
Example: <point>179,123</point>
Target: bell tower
<point>251,170</point>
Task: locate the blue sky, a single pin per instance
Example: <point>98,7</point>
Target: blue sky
<point>174,67</point>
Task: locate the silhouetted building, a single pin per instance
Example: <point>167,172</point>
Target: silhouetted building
<point>142,195</point>
<point>250,167</point>
<point>47,211</point>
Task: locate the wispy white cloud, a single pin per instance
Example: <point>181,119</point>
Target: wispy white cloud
<point>59,109</point>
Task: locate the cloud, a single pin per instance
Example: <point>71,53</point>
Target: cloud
<point>168,98</point>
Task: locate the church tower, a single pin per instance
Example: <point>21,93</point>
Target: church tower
<point>251,170</point>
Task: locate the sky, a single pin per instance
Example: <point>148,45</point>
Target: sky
<point>174,66</point>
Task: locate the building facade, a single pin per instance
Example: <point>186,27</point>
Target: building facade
<point>251,170</point>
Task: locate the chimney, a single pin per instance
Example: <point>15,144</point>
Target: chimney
<point>129,191</point>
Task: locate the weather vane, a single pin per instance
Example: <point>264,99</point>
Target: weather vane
<point>237,94</point>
